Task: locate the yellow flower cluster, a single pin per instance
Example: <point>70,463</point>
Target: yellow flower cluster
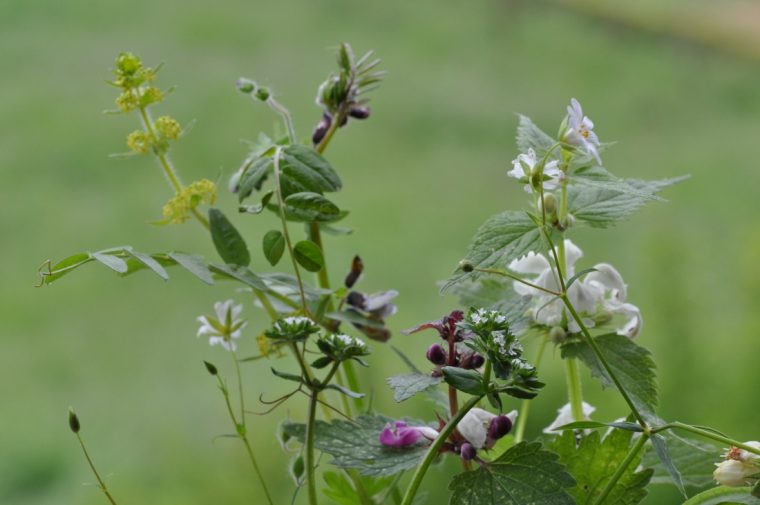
<point>138,141</point>
<point>168,127</point>
<point>177,210</point>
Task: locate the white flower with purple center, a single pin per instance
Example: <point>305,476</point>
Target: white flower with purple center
<point>482,428</point>
<point>226,326</point>
<point>524,167</point>
<point>399,434</point>
<point>580,131</point>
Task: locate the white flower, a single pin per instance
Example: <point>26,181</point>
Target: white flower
<point>580,131</point>
<point>599,292</point>
<point>528,161</point>
<point>475,425</point>
<point>734,473</point>
<point>225,327</point>
<point>565,416</point>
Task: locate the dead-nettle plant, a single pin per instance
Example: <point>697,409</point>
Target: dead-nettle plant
<point>521,284</point>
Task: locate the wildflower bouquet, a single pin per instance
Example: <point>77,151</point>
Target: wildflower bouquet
<point>521,283</point>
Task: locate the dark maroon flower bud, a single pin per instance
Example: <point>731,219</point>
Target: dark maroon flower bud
<point>356,299</point>
<point>467,452</point>
<point>359,112</point>
<point>476,360</point>
<point>500,426</point>
<point>357,267</point>
<point>436,354</point>
<point>321,129</point>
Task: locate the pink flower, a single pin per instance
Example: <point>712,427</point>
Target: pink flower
<point>401,435</point>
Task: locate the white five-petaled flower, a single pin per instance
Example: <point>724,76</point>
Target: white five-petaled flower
<point>524,166</point>
<point>225,327</point>
<point>565,416</point>
<point>580,131</point>
<point>598,293</point>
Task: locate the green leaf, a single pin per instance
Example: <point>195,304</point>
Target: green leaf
<point>599,207</point>
<point>345,391</point>
<point>259,207</point>
<point>288,376</point>
<point>524,475</point>
<point>309,255</point>
<point>307,207</point>
<point>694,459</point>
<point>114,263</point>
<point>194,264</point>
<point>662,452</point>
<point>598,177</point>
<point>495,293</point>
<point>240,274</point>
<point>303,169</point>
<point>631,363</point>
<point>530,136</point>
<point>149,262</point>
<point>724,495</point>
<point>356,444</point>
<point>227,240</point>
<point>435,395</point>
<point>254,177</point>
<point>593,425</point>
<point>498,241</point>
<point>407,385</point>
<point>274,245</point>
<point>468,381</point>
<point>594,460</point>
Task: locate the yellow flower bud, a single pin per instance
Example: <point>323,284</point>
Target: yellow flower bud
<point>138,141</point>
<point>126,101</point>
<point>168,127</point>
<point>127,63</point>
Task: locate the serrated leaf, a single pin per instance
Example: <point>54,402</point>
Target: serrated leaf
<point>524,475</point>
<point>499,240</point>
<point>307,207</point>
<point>594,460</point>
<point>302,169</point>
<point>598,177</point>
<point>600,207</point>
<point>495,293</point>
<point>435,395</point>
<point>631,363</point>
<point>694,459</point>
<point>530,136</point>
<point>723,495</point>
<point>407,385</point>
<point>273,244</point>
<point>309,255</point>
<point>357,445</point>
<point>663,454</point>
<point>227,240</point>
<point>467,381</point>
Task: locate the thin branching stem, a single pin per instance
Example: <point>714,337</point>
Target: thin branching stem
<point>101,484</point>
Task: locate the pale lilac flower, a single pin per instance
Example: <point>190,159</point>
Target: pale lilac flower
<point>225,327</point>
<point>482,428</point>
<point>524,166</point>
<point>565,416</point>
<point>580,131</point>
<point>400,435</point>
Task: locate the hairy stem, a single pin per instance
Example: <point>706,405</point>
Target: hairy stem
<point>632,454</point>
<point>707,434</point>
<point>574,389</point>
<point>101,484</point>
<point>285,114</point>
<point>311,482</point>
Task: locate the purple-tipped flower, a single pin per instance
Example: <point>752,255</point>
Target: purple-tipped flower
<point>500,426</point>
<point>471,361</point>
<point>467,452</point>
<point>478,427</point>
<point>401,435</point>
<point>436,354</point>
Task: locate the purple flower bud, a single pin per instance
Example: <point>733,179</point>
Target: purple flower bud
<point>321,129</point>
<point>471,360</point>
<point>359,112</point>
<point>499,426</point>
<point>467,452</point>
<point>401,435</point>
<point>477,361</point>
<point>436,354</point>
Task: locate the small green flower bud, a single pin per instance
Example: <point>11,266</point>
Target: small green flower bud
<point>73,421</point>
<point>151,95</point>
<point>138,141</point>
<point>168,127</point>
<point>211,368</point>
<point>126,101</point>
<point>550,203</point>
<point>557,334</point>
<point>127,63</point>
<point>466,266</point>
<point>245,85</point>
<point>262,94</point>
<point>297,469</point>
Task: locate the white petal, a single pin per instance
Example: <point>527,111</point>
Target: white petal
<point>221,309</point>
<point>635,322</point>
<point>236,311</point>
<point>531,263</point>
<point>517,171</point>
<point>427,432</point>
<point>512,416</point>
<point>572,254</point>
<point>474,426</point>
<point>565,416</point>
<point>574,113</point>
<point>609,278</point>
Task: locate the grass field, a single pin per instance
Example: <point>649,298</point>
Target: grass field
<point>420,176</point>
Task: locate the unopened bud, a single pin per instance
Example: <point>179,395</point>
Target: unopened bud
<point>733,473</point>
<point>477,361</point>
<point>500,426</point>
<point>356,299</point>
<point>211,368</point>
<point>467,452</point>
<point>557,334</point>
<point>466,266</point>
<point>436,354</point>
<point>359,112</point>
<point>74,421</point>
<point>262,94</point>
<point>550,203</point>
<point>321,129</point>
<point>127,63</point>
<point>357,267</point>
<point>245,85</point>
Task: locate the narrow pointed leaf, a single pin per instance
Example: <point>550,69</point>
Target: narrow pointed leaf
<point>112,262</point>
<point>662,452</point>
<point>194,264</point>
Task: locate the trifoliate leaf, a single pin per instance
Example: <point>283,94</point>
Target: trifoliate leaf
<point>524,475</point>
<point>594,460</point>
<point>632,364</point>
<point>356,444</point>
<point>407,385</point>
<point>694,459</point>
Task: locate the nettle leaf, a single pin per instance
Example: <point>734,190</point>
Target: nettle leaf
<point>723,495</point>
<point>407,385</point>
<point>308,207</point>
<point>435,395</point>
<point>356,444</point>
<point>273,244</point>
<point>632,364</point>
<point>499,240</point>
<point>594,460</point>
<point>309,255</point>
<point>594,176</point>
<point>303,169</point>
<point>663,454</point>
<point>227,240</point>
<point>600,207</point>
<point>530,136</point>
<point>695,461</point>
<point>342,491</point>
<point>524,475</point>
<point>467,381</point>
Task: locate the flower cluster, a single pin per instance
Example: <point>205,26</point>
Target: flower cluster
<point>177,210</point>
<point>598,296</point>
<point>739,467</point>
<point>527,168</point>
<point>226,326</point>
<point>448,329</point>
<point>293,329</point>
<point>338,347</point>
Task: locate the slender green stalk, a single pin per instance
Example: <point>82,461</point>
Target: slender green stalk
<point>604,362</point>
<point>517,278</point>
<point>707,434</point>
<point>632,454</point>
<point>343,398</point>
<point>311,482</point>
<point>574,389</point>
<point>240,387</point>
<point>285,114</point>
<point>101,484</point>
<point>432,452</point>
<point>522,419</point>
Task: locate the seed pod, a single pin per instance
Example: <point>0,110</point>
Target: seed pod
<point>73,421</point>
<point>321,129</point>
<point>357,267</point>
<point>245,85</point>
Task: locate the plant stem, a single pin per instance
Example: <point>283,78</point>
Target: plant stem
<point>310,462</point>
<point>574,389</point>
<point>343,398</point>
<point>322,277</point>
<point>353,383</point>
<point>285,114</point>
<point>432,452</point>
<point>707,434</point>
<point>604,362</point>
<point>101,484</point>
<point>522,419</point>
<point>240,387</point>
<point>632,454</point>
<point>517,278</point>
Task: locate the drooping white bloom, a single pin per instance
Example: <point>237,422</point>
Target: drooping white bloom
<point>475,425</point>
<point>524,166</point>
<point>580,131</point>
<point>743,454</point>
<point>602,291</point>
<point>565,416</point>
<point>225,327</point>
<point>734,473</point>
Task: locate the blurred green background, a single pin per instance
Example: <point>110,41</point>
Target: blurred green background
<point>420,176</point>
